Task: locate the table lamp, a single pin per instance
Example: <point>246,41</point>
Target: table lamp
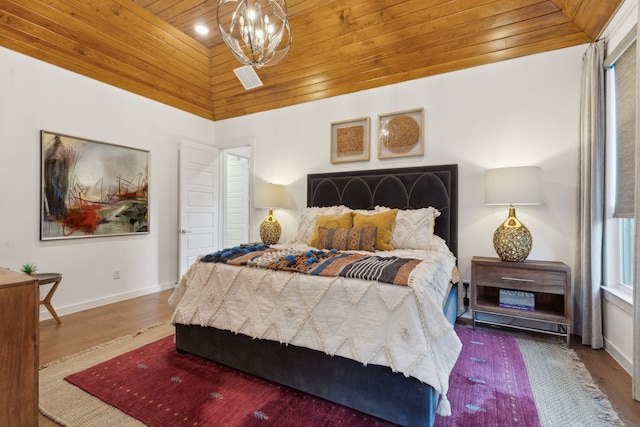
<point>269,196</point>
<point>513,186</point>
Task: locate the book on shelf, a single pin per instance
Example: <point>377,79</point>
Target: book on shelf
<point>517,299</point>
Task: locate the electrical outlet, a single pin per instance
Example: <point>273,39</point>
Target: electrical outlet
<point>116,274</point>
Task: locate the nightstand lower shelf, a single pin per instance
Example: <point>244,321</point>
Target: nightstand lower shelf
<point>523,322</point>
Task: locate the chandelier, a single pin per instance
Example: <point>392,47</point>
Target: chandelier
<point>257,31</point>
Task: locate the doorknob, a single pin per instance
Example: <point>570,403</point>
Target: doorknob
<point>184,231</point>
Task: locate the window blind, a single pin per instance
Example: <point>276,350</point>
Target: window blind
<point>625,87</point>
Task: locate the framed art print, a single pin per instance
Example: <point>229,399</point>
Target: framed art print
<point>401,134</point>
<point>350,140</point>
<point>91,188</point>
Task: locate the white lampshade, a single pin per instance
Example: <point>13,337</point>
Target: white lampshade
<point>269,196</point>
<point>513,186</point>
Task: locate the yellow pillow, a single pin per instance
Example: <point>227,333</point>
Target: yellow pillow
<point>384,221</point>
<point>330,221</point>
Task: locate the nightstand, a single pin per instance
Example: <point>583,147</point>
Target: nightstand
<point>549,282</point>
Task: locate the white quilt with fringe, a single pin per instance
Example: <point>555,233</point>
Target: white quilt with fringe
<point>402,327</point>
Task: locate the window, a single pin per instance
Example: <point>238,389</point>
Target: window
<point>620,174</point>
<point>626,250</point>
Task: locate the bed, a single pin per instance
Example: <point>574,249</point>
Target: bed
<point>336,372</point>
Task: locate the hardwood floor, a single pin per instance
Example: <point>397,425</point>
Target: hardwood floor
<point>89,328</point>
<point>612,379</point>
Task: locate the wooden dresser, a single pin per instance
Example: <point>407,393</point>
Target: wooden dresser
<point>19,315</point>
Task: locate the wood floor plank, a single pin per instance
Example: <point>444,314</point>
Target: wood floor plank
<point>89,328</point>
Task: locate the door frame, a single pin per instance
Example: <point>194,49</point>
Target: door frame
<point>244,153</point>
<point>228,145</point>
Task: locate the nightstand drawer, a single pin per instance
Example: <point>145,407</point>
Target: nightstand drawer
<point>520,278</point>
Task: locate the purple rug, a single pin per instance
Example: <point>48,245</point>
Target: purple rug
<point>489,385</point>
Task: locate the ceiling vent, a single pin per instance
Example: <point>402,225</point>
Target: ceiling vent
<point>248,77</point>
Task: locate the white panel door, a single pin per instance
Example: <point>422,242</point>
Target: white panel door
<point>199,204</point>
<point>236,213</point>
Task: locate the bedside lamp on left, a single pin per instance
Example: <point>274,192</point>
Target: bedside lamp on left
<point>270,196</point>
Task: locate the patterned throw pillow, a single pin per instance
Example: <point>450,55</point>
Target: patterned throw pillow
<point>331,221</point>
<point>307,223</point>
<point>384,221</point>
<point>413,228</point>
<point>347,239</point>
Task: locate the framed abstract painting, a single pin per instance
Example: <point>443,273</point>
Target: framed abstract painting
<point>91,188</point>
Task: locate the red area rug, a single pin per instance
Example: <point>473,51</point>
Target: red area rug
<point>159,387</point>
<point>154,384</point>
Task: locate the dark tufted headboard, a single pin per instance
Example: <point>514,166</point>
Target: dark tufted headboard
<point>404,188</point>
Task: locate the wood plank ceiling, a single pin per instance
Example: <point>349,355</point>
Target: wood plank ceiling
<point>149,47</point>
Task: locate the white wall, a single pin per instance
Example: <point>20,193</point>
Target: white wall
<point>517,112</point>
<point>36,96</point>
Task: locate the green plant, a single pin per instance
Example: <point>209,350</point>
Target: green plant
<point>29,268</point>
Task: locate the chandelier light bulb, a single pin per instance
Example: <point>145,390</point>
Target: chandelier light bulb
<point>251,14</point>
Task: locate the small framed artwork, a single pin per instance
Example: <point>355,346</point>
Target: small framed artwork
<point>350,140</point>
<point>91,189</point>
<point>401,134</point>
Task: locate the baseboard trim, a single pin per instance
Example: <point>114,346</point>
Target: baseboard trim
<point>618,356</point>
<point>87,305</point>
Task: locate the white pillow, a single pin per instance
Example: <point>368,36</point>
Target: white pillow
<point>307,223</point>
<point>439,245</point>
<point>413,228</point>
<point>364,211</point>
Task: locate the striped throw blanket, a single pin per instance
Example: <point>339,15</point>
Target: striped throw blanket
<point>393,270</point>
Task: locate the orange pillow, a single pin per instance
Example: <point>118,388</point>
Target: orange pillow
<point>331,221</point>
<point>384,221</point>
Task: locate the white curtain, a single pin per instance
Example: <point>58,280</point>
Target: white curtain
<point>636,282</point>
<point>588,272</point>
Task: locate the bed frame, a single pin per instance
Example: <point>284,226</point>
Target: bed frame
<point>373,389</point>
